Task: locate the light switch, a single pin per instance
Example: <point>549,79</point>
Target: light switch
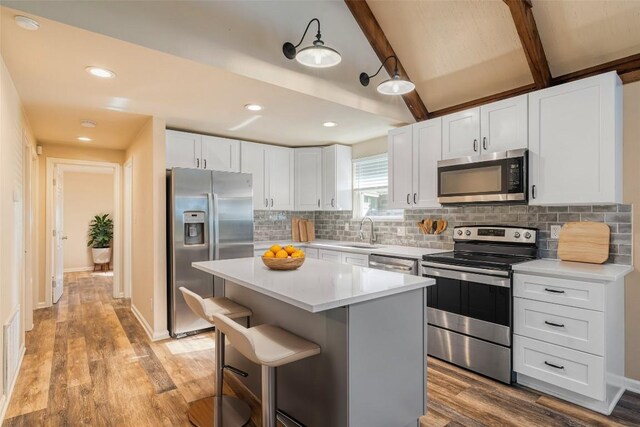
<point>555,231</point>
<point>401,231</point>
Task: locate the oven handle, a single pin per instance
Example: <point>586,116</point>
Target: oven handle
<point>468,277</point>
<point>483,271</point>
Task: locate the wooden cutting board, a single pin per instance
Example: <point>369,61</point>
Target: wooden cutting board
<point>302,226</point>
<point>295,229</point>
<point>584,242</point>
<point>311,232</point>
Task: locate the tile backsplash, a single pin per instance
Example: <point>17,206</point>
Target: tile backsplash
<point>276,225</point>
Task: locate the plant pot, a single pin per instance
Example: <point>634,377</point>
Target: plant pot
<point>101,255</point>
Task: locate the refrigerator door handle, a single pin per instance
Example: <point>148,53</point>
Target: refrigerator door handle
<point>214,249</point>
<point>212,225</point>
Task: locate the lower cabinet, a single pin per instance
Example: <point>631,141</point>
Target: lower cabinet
<point>310,252</point>
<point>569,338</point>
<point>361,260</point>
<point>333,256</point>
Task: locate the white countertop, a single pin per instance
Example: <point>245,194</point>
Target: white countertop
<point>340,245</point>
<point>317,285</point>
<point>574,270</point>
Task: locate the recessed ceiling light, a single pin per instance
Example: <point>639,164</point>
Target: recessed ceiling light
<point>100,72</point>
<point>26,23</point>
<point>253,107</point>
<point>87,123</point>
<point>329,124</point>
<point>84,139</point>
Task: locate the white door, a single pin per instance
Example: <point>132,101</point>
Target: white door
<point>575,142</point>
<point>461,134</point>
<point>59,237</point>
<point>253,162</point>
<point>308,178</point>
<point>183,149</point>
<point>400,164</point>
<point>220,154</point>
<point>503,125</point>
<point>427,150</point>
<point>281,176</point>
<point>329,185</point>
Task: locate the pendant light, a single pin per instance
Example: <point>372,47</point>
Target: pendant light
<point>317,55</point>
<point>393,86</point>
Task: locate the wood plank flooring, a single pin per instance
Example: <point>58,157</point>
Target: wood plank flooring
<point>89,362</point>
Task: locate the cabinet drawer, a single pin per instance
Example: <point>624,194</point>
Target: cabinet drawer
<point>571,327</point>
<point>355,259</point>
<point>570,369</point>
<point>333,256</point>
<point>311,253</point>
<point>559,291</point>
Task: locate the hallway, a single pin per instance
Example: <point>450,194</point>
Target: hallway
<point>89,362</point>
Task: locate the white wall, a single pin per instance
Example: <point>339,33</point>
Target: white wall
<point>370,147</point>
<point>85,196</point>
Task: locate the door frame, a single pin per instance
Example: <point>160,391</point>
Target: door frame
<point>85,166</point>
<point>30,231</point>
<point>127,210</point>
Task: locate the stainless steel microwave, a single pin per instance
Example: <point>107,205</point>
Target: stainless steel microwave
<point>490,178</point>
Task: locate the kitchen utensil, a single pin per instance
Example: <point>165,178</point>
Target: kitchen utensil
<point>311,232</point>
<point>302,227</point>
<point>584,242</point>
<point>295,229</point>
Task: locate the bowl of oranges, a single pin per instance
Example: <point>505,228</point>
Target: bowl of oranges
<point>283,258</point>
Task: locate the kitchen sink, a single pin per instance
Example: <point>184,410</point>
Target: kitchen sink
<point>363,246</point>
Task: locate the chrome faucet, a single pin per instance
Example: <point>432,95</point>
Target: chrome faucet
<point>372,236</point>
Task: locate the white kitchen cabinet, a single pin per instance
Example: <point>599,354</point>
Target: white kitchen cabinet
<point>413,153</point>
<point>575,142</point>
<point>569,337</point>
<point>192,150</point>
<point>311,252</point>
<point>350,258</point>
<point>503,125</point>
<point>331,256</point>
<point>273,175</point>
<point>183,149</point>
<point>308,179</point>
<point>337,178</point>
<point>461,134</point>
<point>220,154</point>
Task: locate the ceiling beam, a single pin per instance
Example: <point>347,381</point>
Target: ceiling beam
<point>381,46</point>
<point>528,32</point>
<point>628,69</point>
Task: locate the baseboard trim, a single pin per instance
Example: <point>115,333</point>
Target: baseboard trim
<point>4,404</point>
<point>153,336</point>
<point>42,304</point>
<point>632,385</point>
<point>77,269</point>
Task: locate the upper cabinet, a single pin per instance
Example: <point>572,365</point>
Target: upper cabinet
<point>308,179</point>
<point>191,150</point>
<point>273,175</point>
<point>413,153</point>
<point>575,142</point>
<point>499,126</point>
<point>337,178</point>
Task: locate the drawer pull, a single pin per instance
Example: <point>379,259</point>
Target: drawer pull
<point>554,291</point>
<point>553,365</point>
<point>557,325</point>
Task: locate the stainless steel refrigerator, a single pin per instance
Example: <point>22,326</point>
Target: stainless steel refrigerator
<point>209,217</point>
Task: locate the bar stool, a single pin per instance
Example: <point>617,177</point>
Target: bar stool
<point>229,411</point>
<point>270,347</point>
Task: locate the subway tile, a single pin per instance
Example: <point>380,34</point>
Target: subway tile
<point>551,209</point>
<point>624,228</point>
<point>550,217</point>
<point>580,208</point>
<point>605,208</point>
<point>624,217</point>
<point>598,217</point>
<point>624,208</point>
<point>568,217</point>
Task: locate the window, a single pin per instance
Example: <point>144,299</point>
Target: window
<point>371,189</point>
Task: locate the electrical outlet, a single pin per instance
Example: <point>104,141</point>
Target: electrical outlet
<point>346,226</point>
<point>555,231</point>
<point>401,231</point>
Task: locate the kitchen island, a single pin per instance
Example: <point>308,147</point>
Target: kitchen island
<point>370,325</point>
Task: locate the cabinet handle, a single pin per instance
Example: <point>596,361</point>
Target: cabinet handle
<point>271,202</point>
<point>408,196</point>
<point>266,203</point>
<point>553,365</point>
<point>318,202</point>
<point>554,291</point>
<point>198,163</point>
<point>415,198</point>
<point>205,163</point>
<point>475,145</point>
<point>533,191</point>
<point>484,143</point>
<point>557,325</point>
<point>333,203</point>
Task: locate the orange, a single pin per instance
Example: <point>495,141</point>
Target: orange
<point>276,248</point>
<point>290,249</point>
<point>282,254</point>
<point>268,254</point>
<point>297,254</point>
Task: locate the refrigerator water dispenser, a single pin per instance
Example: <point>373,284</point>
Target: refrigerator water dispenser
<point>193,228</point>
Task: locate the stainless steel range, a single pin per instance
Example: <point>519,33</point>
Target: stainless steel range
<point>470,308</point>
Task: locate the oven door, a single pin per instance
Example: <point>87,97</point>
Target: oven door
<point>496,177</point>
<point>473,304</point>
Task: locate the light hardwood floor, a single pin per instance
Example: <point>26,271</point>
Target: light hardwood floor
<point>89,362</point>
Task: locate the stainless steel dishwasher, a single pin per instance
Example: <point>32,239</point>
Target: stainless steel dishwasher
<point>393,263</point>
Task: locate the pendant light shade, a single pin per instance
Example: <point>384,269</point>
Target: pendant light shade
<point>317,55</point>
<point>393,86</point>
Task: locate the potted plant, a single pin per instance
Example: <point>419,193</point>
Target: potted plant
<point>100,236</point>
